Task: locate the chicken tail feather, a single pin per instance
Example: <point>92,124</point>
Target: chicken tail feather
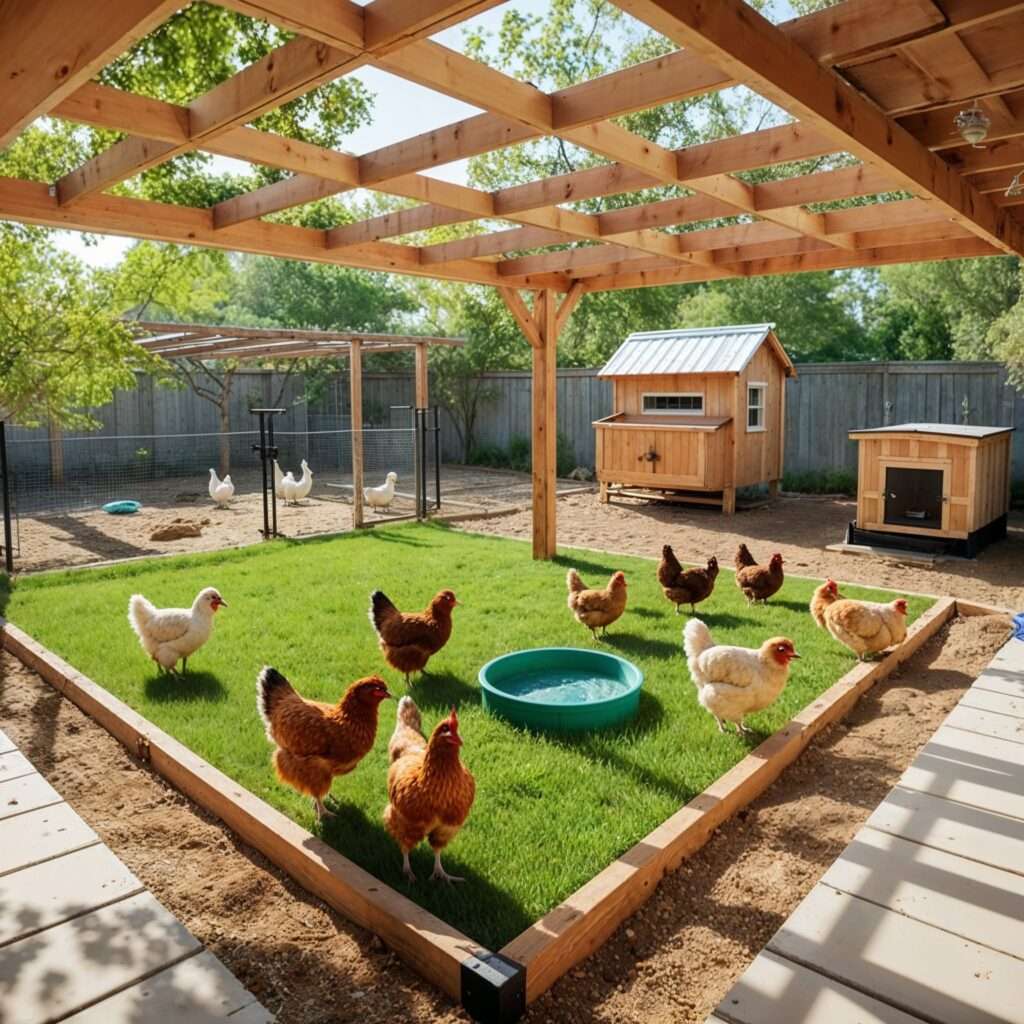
<point>140,612</point>
<point>573,582</point>
<point>408,734</point>
<point>696,640</point>
<point>381,610</point>
<point>271,687</point>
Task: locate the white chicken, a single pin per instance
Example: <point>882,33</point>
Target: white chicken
<point>866,627</point>
<point>288,484</point>
<point>278,478</point>
<point>303,485</point>
<point>381,497</point>
<point>733,682</point>
<point>222,491</point>
<point>170,635</point>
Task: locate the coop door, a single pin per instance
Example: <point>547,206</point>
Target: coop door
<point>913,497</point>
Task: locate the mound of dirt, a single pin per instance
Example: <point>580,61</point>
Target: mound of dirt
<point>177,529</point>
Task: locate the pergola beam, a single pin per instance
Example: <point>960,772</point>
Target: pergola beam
<point>42,62</point>
<point>734,36</point>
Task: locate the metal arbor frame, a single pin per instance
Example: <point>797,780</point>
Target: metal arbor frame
<point>218,341</point>
<point>871,78</point>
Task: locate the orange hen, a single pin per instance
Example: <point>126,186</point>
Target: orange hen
<point>430,790</point>
<point>316,741</point>
<point>408,640</point>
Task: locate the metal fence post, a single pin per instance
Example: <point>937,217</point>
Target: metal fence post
<point>437,458</point>
<point>418,452</point>
<point>5,475</point>
<point>268,452</point>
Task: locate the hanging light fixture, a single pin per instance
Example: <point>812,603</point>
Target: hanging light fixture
<point>1016,186</point>
<point>973,124</point>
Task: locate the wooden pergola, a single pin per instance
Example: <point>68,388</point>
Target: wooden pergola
<point>880,80</point>
<point>220,341</point>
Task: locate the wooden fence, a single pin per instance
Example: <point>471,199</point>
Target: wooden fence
<point>823,404</point>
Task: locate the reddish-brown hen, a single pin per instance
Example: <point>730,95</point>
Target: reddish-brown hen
<point>317,741</point>
<point>430,790</point>
<point>685,586</point>
<point>408,640</point>
<point>758,582</point>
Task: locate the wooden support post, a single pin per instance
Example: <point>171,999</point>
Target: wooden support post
<point>356,402</point>
<point>422,386</point>
<point>545,430</point>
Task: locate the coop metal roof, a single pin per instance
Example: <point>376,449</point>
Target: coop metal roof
<point>693,350</point>
<point>945,429</point>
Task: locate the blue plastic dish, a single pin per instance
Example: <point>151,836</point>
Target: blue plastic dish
<point>122,508</point>
<point>561,689</point>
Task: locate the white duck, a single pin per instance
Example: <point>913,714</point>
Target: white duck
<point>381,497</point>
<point>170,635</point>
<point>278,478</point>
<point>222,491</point>
<point>288,485</point>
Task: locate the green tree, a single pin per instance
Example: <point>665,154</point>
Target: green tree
<point>62,346</point>
<point>493,342</point>
<point>811,312</point>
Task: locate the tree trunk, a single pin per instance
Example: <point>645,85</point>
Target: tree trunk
<point>225,438</point>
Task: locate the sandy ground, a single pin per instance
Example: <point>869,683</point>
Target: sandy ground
<point>55,541</point>
<point>672,961</point>
<point>800,527</point>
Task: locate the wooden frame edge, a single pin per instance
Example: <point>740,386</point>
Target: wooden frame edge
<point>435,949</point>
<point>569,933</point>
<point>578,926</point>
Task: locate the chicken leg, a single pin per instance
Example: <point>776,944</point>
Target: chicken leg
<point>439,873</point>
<point>321,809</point>
<point>407,867</point>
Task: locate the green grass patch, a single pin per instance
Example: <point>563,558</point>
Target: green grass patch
<point>550,813</point>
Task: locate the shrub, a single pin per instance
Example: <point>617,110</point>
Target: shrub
<point>519,455</point>
<point>821,481</point>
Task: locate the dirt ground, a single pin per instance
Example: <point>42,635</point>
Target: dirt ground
<point>800,527</point>
<point>672,961</point>
<point>55,541</point>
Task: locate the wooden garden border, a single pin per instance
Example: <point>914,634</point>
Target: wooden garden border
<point>495,985</point>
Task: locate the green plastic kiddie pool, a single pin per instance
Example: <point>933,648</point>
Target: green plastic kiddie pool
<point>561,689</point>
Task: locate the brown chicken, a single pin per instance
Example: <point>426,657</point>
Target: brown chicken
<point>596,609</point>
<point>409,639</point>
<point>685,586</point>
<point>430,790</point>
<point>315,741</point>
<point>743,558</point>
<point>758,582</point>
<point>865,627</point>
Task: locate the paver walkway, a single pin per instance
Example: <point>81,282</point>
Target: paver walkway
<point>80,937</point>
<point>922,917</point>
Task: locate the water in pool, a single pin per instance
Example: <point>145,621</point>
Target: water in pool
<point>563,686</point>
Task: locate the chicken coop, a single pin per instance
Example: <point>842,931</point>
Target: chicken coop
<point>932,486</point>
<point>698,414</point>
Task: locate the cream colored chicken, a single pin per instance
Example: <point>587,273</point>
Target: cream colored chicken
<point>866,627</point>
<point>170,635</point>
<point>733,682</point>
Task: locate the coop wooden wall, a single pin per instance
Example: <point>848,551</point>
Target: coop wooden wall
<point>688,458</point>
<point>759,454</point>
<point>628,392</point>
<point>977,481</point>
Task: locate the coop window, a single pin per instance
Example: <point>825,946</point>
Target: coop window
<point>755,406</point>
<point>678,404</point>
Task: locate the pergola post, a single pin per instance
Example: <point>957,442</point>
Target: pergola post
<point>356,402</point>
<point>541,328</point>
<point>422,384</point>
<point>544,426</point>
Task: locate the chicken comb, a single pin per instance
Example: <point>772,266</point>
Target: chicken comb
<point>453,719</point>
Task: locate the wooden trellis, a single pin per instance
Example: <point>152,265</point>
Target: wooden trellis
<point>879,80</point>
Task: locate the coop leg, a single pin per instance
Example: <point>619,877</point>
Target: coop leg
<point>773,488</point>
<point>729,501</point>
<point>602,492</point>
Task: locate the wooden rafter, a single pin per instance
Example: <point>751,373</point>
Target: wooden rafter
<point>727,44</point>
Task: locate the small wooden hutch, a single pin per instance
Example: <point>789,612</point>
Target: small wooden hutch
<point>698,413</point>
<point>936,486</point>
